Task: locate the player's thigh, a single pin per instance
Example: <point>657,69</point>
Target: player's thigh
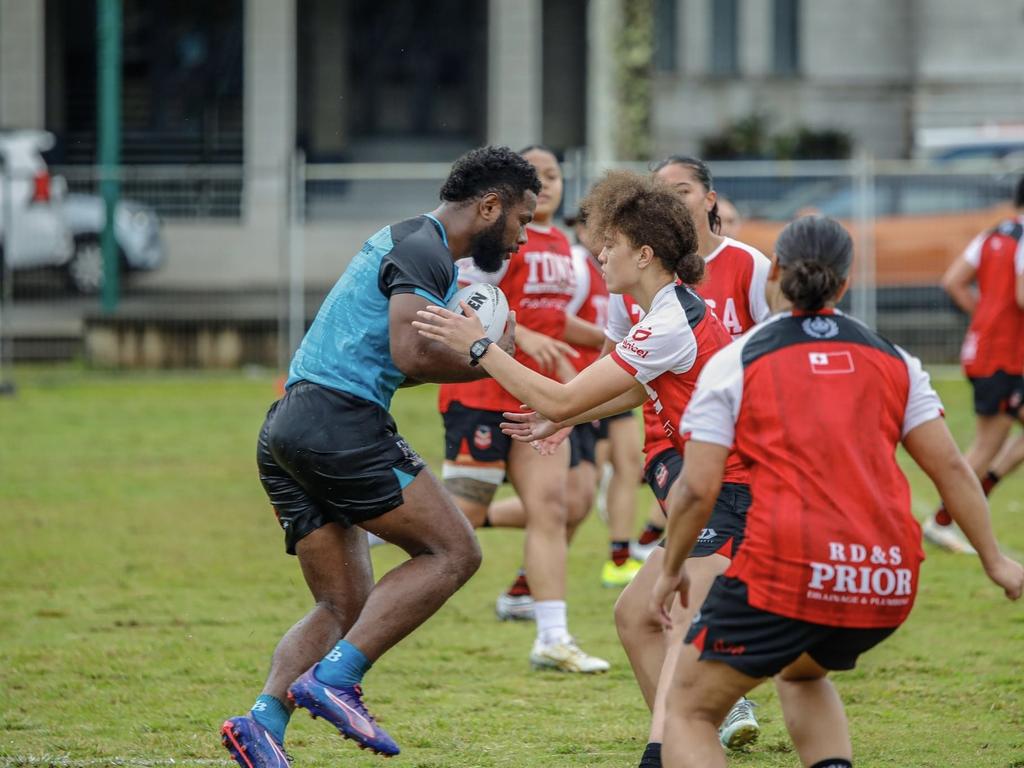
<point>626,445</point>
<point>540,481</point>
<point>428,520</point>
<point>476,453</point>
<point>705,689</point>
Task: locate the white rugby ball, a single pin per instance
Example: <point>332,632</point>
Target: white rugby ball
<point>488,302</point>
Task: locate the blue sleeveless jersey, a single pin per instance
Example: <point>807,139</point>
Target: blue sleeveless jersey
<point>347,348</point>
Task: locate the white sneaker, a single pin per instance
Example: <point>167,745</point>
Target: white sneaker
<point>740,727</point>
<point>641,552</point>
<point>565,656</point>
<point>948,537</point>
<point>514,608</point>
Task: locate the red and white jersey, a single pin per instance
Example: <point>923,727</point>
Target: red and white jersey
<point>590,302</point>
<point>733,285</point>
<point>995,338</point>
<point>623,314</point>
<point>539,282</point>
<point>666,351</point>
<point>830,537</point>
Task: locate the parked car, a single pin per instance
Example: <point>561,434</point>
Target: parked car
<point>56,230</point>
<point>136,231</point>
<point>920,222</point>
<point>32,230</point>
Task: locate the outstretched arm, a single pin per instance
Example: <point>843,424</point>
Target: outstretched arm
<point>594,386</point>
<point>932,447</point>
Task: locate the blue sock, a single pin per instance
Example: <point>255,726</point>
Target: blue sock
<point>345,665</point>
<point>272,715</point>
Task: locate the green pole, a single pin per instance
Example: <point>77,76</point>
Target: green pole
<point>109,81</point>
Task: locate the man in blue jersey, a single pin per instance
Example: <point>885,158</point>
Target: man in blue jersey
<point>334,466</point>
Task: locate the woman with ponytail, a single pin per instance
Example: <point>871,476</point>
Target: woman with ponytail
<point>831,552</point>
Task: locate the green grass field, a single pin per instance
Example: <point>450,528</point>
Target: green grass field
<point>143,586</point>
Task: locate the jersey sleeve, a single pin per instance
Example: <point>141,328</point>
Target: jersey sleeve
<point>759,310</point>
<point>470,273</point>
<point>411,269</point>
<point>618,318</point>
<point>650,350</point>
<point>972,253</point>
<point>714,408</point>
<point>581,270</point>
<point>923,403</point>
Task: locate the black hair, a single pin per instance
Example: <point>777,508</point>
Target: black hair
<point>1018,198</point>
<point>815,254</point>
<point>490,169</point>
<point>703,173</point>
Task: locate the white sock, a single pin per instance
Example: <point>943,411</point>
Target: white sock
<point>552,625</point>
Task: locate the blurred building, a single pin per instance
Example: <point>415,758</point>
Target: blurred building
<point>242,83</point>
<point>879,69</point>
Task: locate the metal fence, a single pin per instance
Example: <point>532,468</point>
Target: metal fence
<point>243,256</point>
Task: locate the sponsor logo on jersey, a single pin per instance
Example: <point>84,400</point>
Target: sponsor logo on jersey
<point>482,437</point>
<point>819,327</point>
<point>628,345</point>
<point>854,573</point>
<point>826,363</point>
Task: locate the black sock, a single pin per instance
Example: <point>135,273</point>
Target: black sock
<point>988,482</point>
<point>833,762</point>
<point>652,756</point>
<point>487,522</point>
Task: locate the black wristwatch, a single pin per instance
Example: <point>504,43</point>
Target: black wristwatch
<point>477,350</point>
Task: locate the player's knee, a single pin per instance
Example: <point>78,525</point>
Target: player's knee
<point>465,559</point>
<point>631,616</point>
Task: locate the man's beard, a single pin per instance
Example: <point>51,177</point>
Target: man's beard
<point>488,247</point>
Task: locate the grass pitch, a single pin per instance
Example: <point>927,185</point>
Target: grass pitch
<point>143,586</point>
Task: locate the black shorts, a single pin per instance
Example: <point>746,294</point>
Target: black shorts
<point>602,425</point>
<point>661,472</point>
<point>330,457</point>
<point>583,444</point>
<point>999,393</point>
<point>762,644</point>
<point>724,531</point>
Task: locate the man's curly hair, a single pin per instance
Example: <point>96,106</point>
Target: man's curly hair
<point>648,212</point>
<point>490,169</point>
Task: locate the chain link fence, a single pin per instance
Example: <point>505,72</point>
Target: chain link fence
<point>225,266</point>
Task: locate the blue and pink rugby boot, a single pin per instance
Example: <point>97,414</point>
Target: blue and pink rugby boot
<point>252,745</point>
<point>343,708</point>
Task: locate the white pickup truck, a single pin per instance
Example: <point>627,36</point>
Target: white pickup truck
<point>56,230</point>
<point>33,232</point>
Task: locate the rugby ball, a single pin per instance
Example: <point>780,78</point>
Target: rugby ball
<point>488,302</point>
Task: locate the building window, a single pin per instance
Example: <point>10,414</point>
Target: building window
<point>786,37</point>
<point>665,35</point>
<point>724,37</point>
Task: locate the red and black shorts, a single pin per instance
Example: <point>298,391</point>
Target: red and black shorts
<point>761,644</point>
<point>326,456</point>
<point>724,531</point>
<point>1001,392</point>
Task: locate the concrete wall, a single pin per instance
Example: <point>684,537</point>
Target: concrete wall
<point>22,64</point>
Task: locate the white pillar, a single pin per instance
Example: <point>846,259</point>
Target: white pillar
<point>22,69</point>
<point>514,79</point>
<point>604,20</point>
<point>756,38</point>
<point>269,111</point>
